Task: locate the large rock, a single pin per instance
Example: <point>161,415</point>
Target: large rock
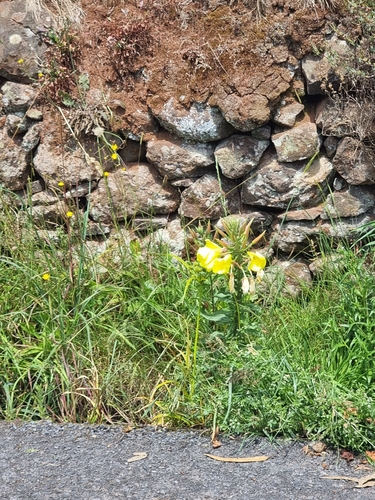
<point>303,236</point>
<point>247,101</point>
<point>173,236</point>
<point>208,198</point>
<point>17,97</point>
<point>355,161</point>
<point>286,113</point>
<point>356,201</point>
<point>179,159</point>
<point>238,155</point>
<point>14,162</point>
<point>200,123</point>
<point>20,47</point>
<point>70,166</point>
<point>287,185</point>
<point>319,73</point>
<point>299,143</point>
<point>139,189</point>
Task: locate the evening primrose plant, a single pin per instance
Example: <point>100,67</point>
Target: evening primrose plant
<point>231,269</point>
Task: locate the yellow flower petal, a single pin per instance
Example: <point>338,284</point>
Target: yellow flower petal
<point>257,262</point>
<point>222,264</point>
<point>69,214</point>
<point>206,257</point>
<point>46,276</point>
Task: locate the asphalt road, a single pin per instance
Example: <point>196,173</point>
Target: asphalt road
<point>46,461</point>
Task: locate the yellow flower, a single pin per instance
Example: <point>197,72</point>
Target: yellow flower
<point>40,74</point>
<point>60,184</point>
<point>114,156</point>
<point>209,258</point>
<point>20,61</point>
<point>69,214</point>
<point>46,276</point>
<point>114,147</point>
<point>222,265</point>
<point>257,262</point>
<point>105,174</point>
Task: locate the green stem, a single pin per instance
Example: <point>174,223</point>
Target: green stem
<point>195,349</point>
<point>230,389</point>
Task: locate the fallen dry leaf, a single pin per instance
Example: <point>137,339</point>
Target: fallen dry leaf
<point>362,482</point>
<point>318,447</point>
<point>215,442</point>
<point>325,466</point>
<point>371,454</point>
<point>244,460</point>
<point>346,455</point>
<point>137,456</point>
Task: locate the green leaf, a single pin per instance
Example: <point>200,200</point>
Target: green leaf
<point>218,317</point>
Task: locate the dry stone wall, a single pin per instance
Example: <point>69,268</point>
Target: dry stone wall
<point>284,156</point>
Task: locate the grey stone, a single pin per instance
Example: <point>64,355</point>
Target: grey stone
<point>31,138</point>
<point>34,114</point>
<point>302,214</point>
<point>14,162</point>
<point>355,161</point>
<point>262,133</point>
<point>287,185</point>
<point>330,144</point>
<point>73,167</point>
<point>173,236</point>
<point>200,123</point>
<point>355,201</point>
<point>319,73</point>
<point>20,48</point>
<point>299,143</point>
<point>16,123</point>
<point>291,278</point>
<point>17,97</point>
<point>238,155</point>
<point>208,198</point>
<point>139,189</point>
<point>286,113</point>
<point>302,236</point>
<point>179,159</point>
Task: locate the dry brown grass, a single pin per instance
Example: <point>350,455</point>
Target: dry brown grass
<point>59,10</point>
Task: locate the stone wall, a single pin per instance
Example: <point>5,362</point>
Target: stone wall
<point>290,159</point>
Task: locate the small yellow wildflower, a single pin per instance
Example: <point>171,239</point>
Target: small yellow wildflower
<point>46,276</point>
<point>69,214</point>
<point>60,184</point>
<point>114,156</point>
<point>21,61</point>
<point>105,174</point>
<point>256,262</point>
<point>40,74</point>
<point>114,147</point>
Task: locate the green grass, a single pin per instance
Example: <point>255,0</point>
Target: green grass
<point>112,338</point>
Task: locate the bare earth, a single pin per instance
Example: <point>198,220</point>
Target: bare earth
<point>46,461</point>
